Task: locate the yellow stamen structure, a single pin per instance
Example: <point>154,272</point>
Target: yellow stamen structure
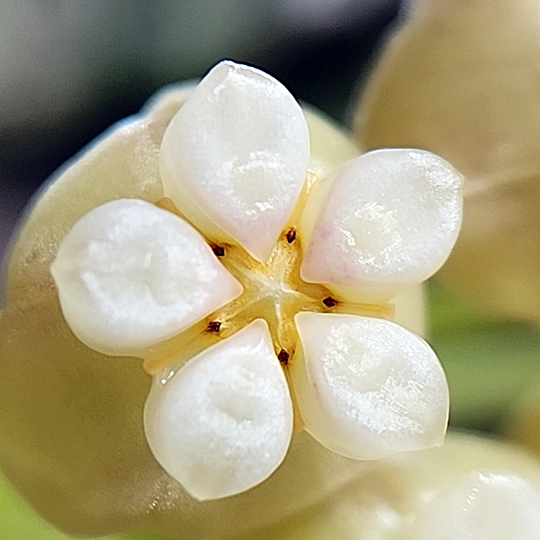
<point>273,290</point>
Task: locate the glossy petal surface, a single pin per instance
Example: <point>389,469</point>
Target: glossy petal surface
<point>484,505</point>
<point>366,387</point>
<point>223,422</point>
<point>130,275</point>
<point>386,219</point>
<point>234,158</point>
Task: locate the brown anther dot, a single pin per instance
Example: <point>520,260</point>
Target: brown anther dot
<point>283,357</point>
<point>219,251</point>
<point>330,302</point>
<point>291,235</point>
<point>213,326</point>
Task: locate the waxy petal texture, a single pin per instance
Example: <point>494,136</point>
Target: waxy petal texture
<point>130,275</point>
<point>367,388</point>
<point>234,158</point>
<point>223,423</point>
<point>386,219</point>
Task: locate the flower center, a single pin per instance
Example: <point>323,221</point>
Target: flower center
<point>273,290</point>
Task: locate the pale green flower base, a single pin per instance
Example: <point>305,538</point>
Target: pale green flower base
<point>379,504</point>
<point>101,468</point>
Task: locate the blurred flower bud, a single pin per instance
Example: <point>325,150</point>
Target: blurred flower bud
<point>460,78</point>
<point>473,487</point>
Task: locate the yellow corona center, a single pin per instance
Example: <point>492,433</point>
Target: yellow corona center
<point>273,290</point>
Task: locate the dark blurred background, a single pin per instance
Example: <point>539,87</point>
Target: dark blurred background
<point>70,68</point>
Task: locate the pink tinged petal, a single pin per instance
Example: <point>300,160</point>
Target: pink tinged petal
<point>368,388</point>
<point>235,157</point>
<point>130,275</point>
<point>223,423</point>
<point>386,220</point>
<point>484,505</point>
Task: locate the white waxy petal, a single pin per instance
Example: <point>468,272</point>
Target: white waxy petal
<point>368,388</point>
<point>235,157</point>
<point>387,219</point>
<point>223,423</point>
<point>485,505</point>
<point>130,275</point>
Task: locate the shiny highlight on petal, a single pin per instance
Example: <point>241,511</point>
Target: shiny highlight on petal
<point>235,157</point>
<point>386,219</point>
<point>367,388</point>
<point>484,505</point>
<point>223,423</point>
<point>130,275</point>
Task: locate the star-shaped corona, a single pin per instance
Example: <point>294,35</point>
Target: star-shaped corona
<point>257,294</point>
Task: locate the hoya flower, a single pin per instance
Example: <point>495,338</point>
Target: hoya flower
<point>234,164</point>
<point>253,281</point>
<point>460,79</point>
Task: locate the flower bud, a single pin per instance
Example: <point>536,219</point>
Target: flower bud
<point>459,78</point>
